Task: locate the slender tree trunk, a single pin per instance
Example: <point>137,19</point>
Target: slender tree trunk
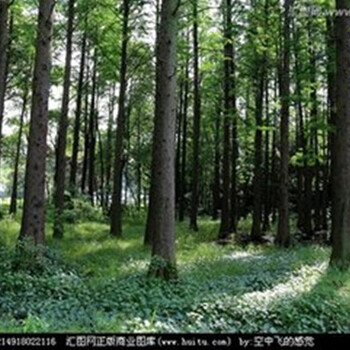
<point>196,125</point>
<point>258,180</point>
<point>216,182</point>
<point>318,190</point>
<point>233,204</point>
<point>308,200</point>
<point>267,177</point>
<point>304,211</point>
<point>266,159</point>
<point>102,165</point>
<point>274,160</point>
<point>116,214</point>
<point>331,85</point>
<point>127,188</point>
<point>283,233</point>
<point>86,134</point>
<point>313,149</point>
<point>256,233</point>
<point>225,227</point>
<point>341,149</point>
<point>14,192</point>
<point>77,121</point>
<point>62,130</point>
<point>178,145</point>
<point>109,148</point>
<point>163,161</point>
<point>183,184</point>
<point>4,38</point>
<point>33,219</point>
<point>92,134</point>
<point>138,162</point>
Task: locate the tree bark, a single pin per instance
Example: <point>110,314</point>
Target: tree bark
<point>283,233</point>
<point>332,110</point>
<point>92,134</point>
<point>33,219</point>
<point>102,165</point>
<point>4,38</point>
<point>341,149</point>
<point>267,162</point>
<point>116,213</point>
<point>303,206</point>
<point>183,183</point>
<point>109,148</point>
<point>225,226</point>
<point>274,160</point>
<point>60,174</point>
<point>138,162</point>
<point>233,203</point>
<point>77,121</point>
<point>178,143</point>
<point>86,132</point>
<point>217,155</point>
<point>14,192</point>
<point>256,233</point>
<point>313,147</point>
<point>196,124</point>
<point>163,161</point>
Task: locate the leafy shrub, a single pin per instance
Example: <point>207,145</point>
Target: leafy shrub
<point>82,210</point>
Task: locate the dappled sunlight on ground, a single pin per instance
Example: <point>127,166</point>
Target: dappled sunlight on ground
<point>99,283</point>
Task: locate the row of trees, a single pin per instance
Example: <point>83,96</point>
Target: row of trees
<point>259,140</point>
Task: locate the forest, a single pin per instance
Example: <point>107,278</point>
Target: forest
<point>175,166</point>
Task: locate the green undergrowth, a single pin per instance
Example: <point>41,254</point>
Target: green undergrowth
<point>93,283</point>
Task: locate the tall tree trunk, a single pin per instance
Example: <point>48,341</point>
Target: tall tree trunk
<point>313,147</point>
<point>14,192</point>
<point>331,86</point>
<point>341,149</point>
<point>102,165</point>
<point>304,210</point>
<point>225,227</point>
<point>4,37</point>
<point>60,174</point>
<point>196,124</point>
<point>33,219</point>
<point>178,144</point>
<point>109,147</point>
<point>216,182</point>
<point>274,160</point>
<point>267,177</point>
<point>258,180</point>
<point>266,160</point>
<point>86,133</point>
<point>183,184</point>
<point>116,213</point>
<point>318,190</point>
<point>148,238</point>
<point>162,201</point>
<point>77,121</point>
<point>256,233</point>
<point>127,187</point>
<point>283,233</point>
<point>92,134</point>
<point>233,204</point>
<point>138,161</point>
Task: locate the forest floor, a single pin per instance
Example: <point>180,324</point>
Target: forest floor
<point>91,282</point>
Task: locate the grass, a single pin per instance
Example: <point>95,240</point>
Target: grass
<point>94,283</point>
